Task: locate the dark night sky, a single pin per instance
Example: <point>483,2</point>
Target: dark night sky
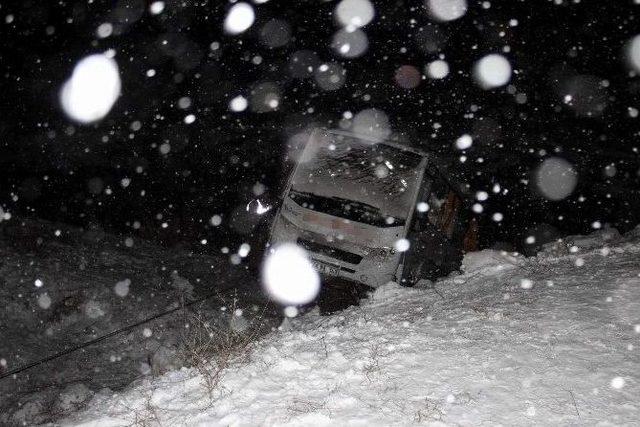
<point>53,168</point>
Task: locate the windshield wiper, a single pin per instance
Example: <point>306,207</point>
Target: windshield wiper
<point>345,208</point>
<point>310,196</point>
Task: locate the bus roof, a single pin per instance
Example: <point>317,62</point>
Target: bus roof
<point>434,162</point>
<point>385,141</point>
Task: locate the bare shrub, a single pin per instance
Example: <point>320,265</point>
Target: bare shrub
<point>304,406</point>
<point>431,411</point>
<point>213,345</point>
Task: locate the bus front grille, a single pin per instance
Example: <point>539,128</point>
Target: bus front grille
<point>332,252</point>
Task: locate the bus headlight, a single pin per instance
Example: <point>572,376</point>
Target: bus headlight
<point>381,252</point>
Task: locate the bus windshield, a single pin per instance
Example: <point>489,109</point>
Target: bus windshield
<point>369,182</point>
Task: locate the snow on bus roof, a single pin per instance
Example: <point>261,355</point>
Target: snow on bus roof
<point>401,142</point>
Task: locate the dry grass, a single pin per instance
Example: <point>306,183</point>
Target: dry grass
<point>210,347</point>
<point>213,346</point>
<point>431,411</point>
<point>304,406</point>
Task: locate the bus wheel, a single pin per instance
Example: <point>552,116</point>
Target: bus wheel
<point>411,275</point>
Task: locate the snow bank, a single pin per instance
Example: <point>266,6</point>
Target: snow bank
<point>475,349</point>
<point>580,243</point>
<point>633,235</point>
<point>489,260</point>
<point>596,239</point>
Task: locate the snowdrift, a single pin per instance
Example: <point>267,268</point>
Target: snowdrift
<point>547,340</point>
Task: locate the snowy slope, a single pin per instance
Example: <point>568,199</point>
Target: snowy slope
<point>550,340</point>
<point>62,286</point>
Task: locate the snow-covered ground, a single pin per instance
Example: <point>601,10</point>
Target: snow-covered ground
<point>548,340</point>
<point>62,286</point>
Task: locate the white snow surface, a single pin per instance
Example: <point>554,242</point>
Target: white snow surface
<point>473,349</point>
